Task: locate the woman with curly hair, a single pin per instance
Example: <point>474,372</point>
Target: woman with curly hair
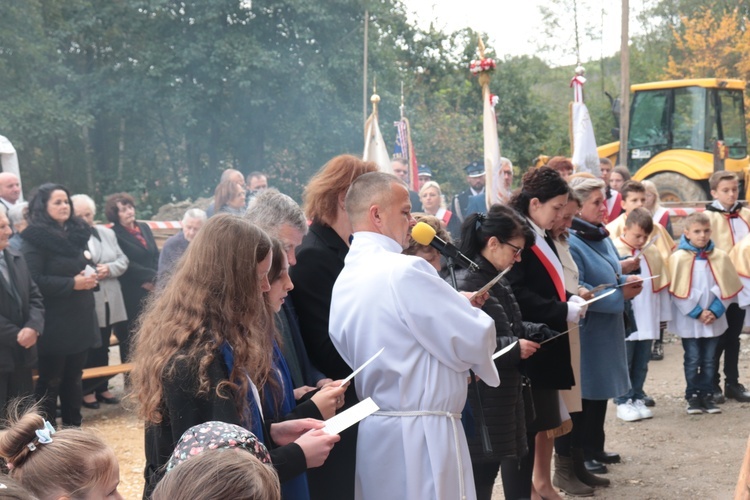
<point>55,246</point>
<point>203,351</point>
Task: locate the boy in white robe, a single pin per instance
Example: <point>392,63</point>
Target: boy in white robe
<point>415,446</point>
<point>700,300</point>
<point>650,308</point>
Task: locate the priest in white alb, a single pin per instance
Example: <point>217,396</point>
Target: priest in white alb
<point>415,446</point>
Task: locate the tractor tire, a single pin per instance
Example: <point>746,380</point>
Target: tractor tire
<point>676,188</point>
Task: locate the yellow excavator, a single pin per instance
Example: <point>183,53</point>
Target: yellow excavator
<point>682,131</point>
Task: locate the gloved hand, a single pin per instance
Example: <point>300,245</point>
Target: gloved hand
<point>576,310</point>
<point>539,332</point>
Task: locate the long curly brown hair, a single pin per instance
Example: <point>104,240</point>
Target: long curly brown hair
<point>214,296</point>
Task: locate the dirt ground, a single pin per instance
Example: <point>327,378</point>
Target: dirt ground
<point>673,455</point>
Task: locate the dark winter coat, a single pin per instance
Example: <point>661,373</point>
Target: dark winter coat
<point>14,316</point>
<point>144,263</point>
<point>55,257</point>
<point>503,405</point>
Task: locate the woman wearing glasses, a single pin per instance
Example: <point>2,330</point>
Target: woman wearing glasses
<point>495,242</point>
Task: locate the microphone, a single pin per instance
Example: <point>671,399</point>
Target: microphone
<point>425,235</point>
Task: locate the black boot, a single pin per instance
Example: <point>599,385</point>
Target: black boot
<point>582,473</point>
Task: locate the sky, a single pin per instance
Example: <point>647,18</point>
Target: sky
<point>515,26</point>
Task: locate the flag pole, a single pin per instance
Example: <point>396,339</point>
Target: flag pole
<point>364,75</point>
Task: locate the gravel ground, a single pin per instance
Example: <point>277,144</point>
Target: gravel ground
<point>673,455</point>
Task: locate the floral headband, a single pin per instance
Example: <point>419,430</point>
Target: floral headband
<point>216,435</point>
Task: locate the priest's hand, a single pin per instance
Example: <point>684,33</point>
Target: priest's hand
<point>477,300</point>
<point>329,399</point>
<point>283,433</point>
<point>316,445</point>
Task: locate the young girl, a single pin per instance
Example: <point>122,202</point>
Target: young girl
<point>216,474</point>
<point>203,351</point>
<point>58,465</point>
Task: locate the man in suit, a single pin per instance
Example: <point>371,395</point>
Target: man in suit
<point>21,320</point>
<point>401,170</point>
<point>475,179</point>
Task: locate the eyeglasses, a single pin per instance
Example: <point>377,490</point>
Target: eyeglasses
<point>517,249</point>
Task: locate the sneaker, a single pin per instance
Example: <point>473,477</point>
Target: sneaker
<point>709,406</point>
<point>649,401</point>
<point>628,412</point>
<point>657,352</point>
<point>640,405</point>
<point>738,392</point>
<point>695,405</point>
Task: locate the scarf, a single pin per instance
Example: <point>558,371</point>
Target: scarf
<point>587,231</point>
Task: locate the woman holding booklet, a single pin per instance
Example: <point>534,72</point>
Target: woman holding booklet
<point>203,352</point>
<point>495,242</point>
<point>604,366</point>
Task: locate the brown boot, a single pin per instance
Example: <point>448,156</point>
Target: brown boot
<point>582,473</point>
<point>565,479</point>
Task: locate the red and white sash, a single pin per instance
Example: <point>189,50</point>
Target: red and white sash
<point>661,216</point>
<point>551,264</point>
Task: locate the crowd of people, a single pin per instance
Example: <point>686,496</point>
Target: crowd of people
<point>243,327</point>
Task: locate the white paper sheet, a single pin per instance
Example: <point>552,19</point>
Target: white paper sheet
<point>504,350</point>
<point>346,419</point>
<point>347,379</point>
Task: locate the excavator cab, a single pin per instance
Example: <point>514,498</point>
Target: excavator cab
<point>691,118</point>
<point>681,131</point>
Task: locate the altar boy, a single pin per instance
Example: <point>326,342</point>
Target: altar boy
<point>730,222</point>
<point>700,298</point>
<point>650,307</point>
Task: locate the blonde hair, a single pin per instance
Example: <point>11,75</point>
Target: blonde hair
<point>213,297</point>
<point>432,184</point>
<point>220,474</point>
<point>650,187</point>
<point>73,464</point>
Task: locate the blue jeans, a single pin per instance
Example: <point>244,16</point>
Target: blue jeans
<point>639,354</point>
<point>700,365</point>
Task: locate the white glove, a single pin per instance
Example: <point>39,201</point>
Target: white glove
<point>576,309</point>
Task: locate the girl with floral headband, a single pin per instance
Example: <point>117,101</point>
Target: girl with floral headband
<point>58,465</point>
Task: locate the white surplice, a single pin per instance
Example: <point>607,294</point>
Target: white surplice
<point>415,446</point>
<point>650,308</point>
<point>703,290</point>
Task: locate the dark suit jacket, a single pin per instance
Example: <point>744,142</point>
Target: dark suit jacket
<point>416,203</point>
<point>460,204</point>
<point>142,268</point>
<point>30,314</point>
<point>549,367</point>
<point>320,259</point>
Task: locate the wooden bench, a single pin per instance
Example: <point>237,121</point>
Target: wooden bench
<point>102,371</point>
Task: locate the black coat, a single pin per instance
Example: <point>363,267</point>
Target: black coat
<point>54,258</point>
<point>535,292</point>
<point>14,316</point>
<point>183,409</point>
<point>320,259</point>
<point>143,266</point>
<point>503,405</point>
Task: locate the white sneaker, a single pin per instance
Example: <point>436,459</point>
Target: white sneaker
<point>643,410</point>
<point>628,412</point>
